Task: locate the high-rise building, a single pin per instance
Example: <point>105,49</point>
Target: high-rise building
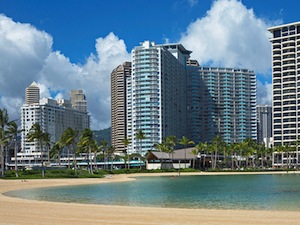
<point>118,105</point>
<point>54,117</point>
<point>286,80</point>
<point>156,94</point>
<point>78,100</point>
<point>221,101</point>
<point>264,124</point>
<point>32,94</point>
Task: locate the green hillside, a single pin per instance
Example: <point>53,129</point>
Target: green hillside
<point>104,134</point>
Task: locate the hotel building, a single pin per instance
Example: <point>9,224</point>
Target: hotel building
<point>286,82</point>
<point>118,105</point>
<point>54,117</point>
<point>221,101</point>
<point>156,94</point>
<point>286,77</point>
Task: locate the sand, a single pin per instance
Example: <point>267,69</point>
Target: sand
<point>21,211</point>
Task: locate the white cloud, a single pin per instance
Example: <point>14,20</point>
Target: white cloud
<point>229,35</point>
<point>264,93</point>
<point>26,55</point>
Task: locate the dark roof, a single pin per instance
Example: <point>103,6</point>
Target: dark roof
<point>178,154</point>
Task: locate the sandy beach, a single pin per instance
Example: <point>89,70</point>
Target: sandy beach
<point>21,211</point>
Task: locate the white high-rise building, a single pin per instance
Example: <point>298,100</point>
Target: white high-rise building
<point>156,94</point>
<point>286,75</point>
<point>54,117</point>
<point>286,92</point>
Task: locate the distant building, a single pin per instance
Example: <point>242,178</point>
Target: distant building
<point>118,105</point>
<point>78,100</point>
<point>54,117</point>
<point>32,94</point>
<point>221,101</point>
<point>156,94</point>
<point>264,124</point>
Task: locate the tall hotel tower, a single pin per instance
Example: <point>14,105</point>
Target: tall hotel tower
<point>221,101</point>
<point>156,94</point>
<point>286,83</point>
<point>118,105</point>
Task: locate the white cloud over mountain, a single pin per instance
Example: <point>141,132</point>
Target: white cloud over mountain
<point>229,35</point>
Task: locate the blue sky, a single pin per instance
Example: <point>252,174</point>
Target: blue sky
<point>74,44</point>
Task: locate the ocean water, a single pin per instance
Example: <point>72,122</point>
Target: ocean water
<point>252,192</point>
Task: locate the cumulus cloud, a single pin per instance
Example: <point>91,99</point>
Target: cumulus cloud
<point>230,35</point>
<point>26,55</point>
<point>264,93</point>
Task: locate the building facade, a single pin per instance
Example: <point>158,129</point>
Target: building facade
<point>32,94</point>
<point>156,94</point>
<point>78,100</point>
<point>118,105</point>
<point>286,93</point>
<point>264,124</point>
<point>286,76</point>
<point>221,101</point>
<point>54,117</point>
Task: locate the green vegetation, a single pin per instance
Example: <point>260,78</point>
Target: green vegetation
<point>53,173</point>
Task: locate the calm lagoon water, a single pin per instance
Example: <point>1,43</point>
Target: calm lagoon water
<point>268,192</point>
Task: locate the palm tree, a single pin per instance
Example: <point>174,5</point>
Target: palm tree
<point>102,147</point>
<point>110,152</point>
<point>68,139</point>
<point>195,152</point>
<point>126,142</point>
<point>85,142</point>
<point>55,152</point>
<point>162,148</point>
<point>37,135</point>
<point>170,143</point>
<point>201,146</point>
<point>185,142</point>
<point>140,135</point>
<point>13,132</point>
<point>4,122</point>
<point>217,144</point>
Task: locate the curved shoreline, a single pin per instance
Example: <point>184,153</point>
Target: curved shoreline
<point>22,211</point>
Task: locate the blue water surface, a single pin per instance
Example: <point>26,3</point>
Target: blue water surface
<point>255,192</point>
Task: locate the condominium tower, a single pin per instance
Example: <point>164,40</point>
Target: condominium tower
<point>156,94</point>
<point>118,105</point>
<point>221,101</point>
<point>286,81</point>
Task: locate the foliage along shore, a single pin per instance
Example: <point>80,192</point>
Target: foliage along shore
<point>69,173</point>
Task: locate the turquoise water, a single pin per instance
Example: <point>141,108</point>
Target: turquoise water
<point>256,192</point>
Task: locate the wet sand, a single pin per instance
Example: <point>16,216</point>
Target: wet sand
<point>30,212</point>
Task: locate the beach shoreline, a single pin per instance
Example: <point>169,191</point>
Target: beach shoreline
<point>23,211</point>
